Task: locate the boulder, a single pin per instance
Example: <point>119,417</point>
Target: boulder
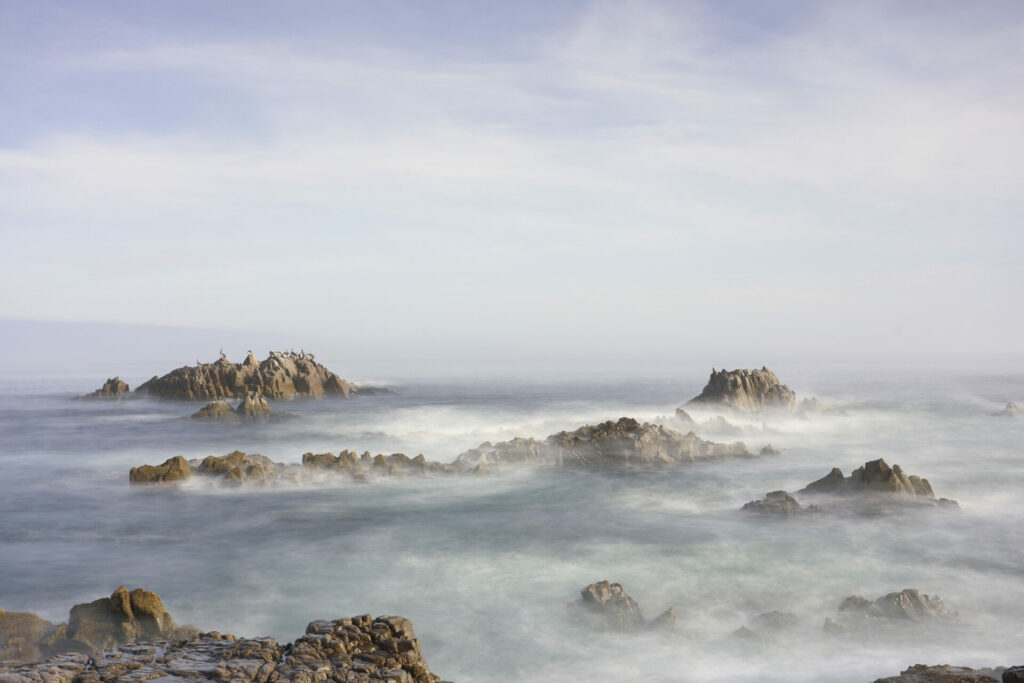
<point>751,391</point>
<point>607,606</point>
<point>217,411</point>
<point>253,407</point>
<point>1011,410</point>
<point>112,388</point>
<point>920,673</point>
<point>172,469</point>
<point>909,604</point>
<point>775,503</point>
<point>281,376</point>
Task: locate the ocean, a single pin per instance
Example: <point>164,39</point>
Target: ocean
<point>485,566</point>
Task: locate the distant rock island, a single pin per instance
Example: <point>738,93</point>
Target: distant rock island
<point>748,391</point>
<point>282,376</point>
<point>131,636</point>
<point>112,388</point>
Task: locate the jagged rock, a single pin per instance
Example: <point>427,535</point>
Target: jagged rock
<point>834,482</point>
<point>607,606</point>
<point>172,469</point>
<point>1011,410</point>
<point>909,604</point>
<point>356,649</point>
<point>683,418</point>
<point>217,411</point>
<point>747,390</point>
<point>775,503</point>
<point>253,407</point>
<point>281,376</point>
<point>622,442</point>
<point>112,388</point>
<point>920,673</point>
<point>877,476</point>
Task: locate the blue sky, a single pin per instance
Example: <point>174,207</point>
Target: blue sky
<point>502,179</point>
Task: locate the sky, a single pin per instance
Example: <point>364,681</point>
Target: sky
<point>558,180</point>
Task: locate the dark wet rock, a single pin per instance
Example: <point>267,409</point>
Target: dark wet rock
<point>775,503</point>
<point>1014,674</point>
<point>112,388</point>
<point>612,443</point>
<point>217,411</point>
<point>282,376</point>
<point>920,673</point>
<point>750,391</point>
<point>1011,410</point>
<point>172,469</point>
<point>356,649</point>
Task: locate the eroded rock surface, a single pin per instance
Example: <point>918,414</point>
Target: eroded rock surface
<point>607,606</point>
<point>775,503</point>
<point>356,649</point>
<point>751,391</point>
<point>282,376</point>
<point>172,469</point>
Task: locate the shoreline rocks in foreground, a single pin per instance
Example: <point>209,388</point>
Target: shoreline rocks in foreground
<point>281,376</point>
<point>130,636</point>
<point>921,673</point>
<point>626,442</point>
<point>872,486</point>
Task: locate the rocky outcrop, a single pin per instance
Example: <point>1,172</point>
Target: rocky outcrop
<point>172,469</point>
<point>253,407</point>
<point>356,649</point>
<point>22,634</point>
<point>112,388</point>
<point>1011,410</point>
<point>920,673</point>
<point>751,391</point>
<point>607,606</point>
<point>281,376</point>
<point>910,604</point>
<point>217,411</point>
<point>872,486</point>
<point>622,442</point>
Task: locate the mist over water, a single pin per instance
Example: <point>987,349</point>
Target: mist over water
<point>484,566</point>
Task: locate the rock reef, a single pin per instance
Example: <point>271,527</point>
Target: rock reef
<point>749,391</point>
<point>129,636</point>
<point>281,376</point>
<point>872,486</point>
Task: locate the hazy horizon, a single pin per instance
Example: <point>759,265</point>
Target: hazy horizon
<point>479,181</point>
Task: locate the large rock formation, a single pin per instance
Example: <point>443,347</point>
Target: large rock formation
<point>112,388</point>
<point>130,636</point>
<point>282,376</point>
<point>751,391</point>
<point>625,442</point>
<point>872,486</point>
<point>608,607</point>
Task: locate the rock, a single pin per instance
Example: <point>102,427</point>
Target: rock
<point>775,503</point>
<point>607,606</point>
<point>877,476</point>
<point>217,411</point>
<point>684,419</point>
<point>21,634</point>
<point>1014,674</point>
<point>172,469</point>
<point>833,627</point>
<point>1011,410</point>
<point>612,443</point>
<point>764,628</point>
<point>356,649</point>
<point>834,482</point>
<point>253,407</point>
<point>282,376</point>
<point>666,621</point>
<point>909,604</point>
<point>768,450</point>
<point>112,388</point>
<point>874,486</point>
<point>920,673</point>
<point>750,391</point>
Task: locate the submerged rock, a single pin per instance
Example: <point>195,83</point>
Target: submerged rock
<point>920,673</point>
<point>356,649</point>
<point>280,376</point>
<point>749,391</point>
<point>112,388</point>
<point>612,443</point>
<point>1011,410</point>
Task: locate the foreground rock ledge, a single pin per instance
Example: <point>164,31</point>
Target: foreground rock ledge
<point>921,673</point>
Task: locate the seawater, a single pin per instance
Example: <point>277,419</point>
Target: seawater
<point>484,566</point>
